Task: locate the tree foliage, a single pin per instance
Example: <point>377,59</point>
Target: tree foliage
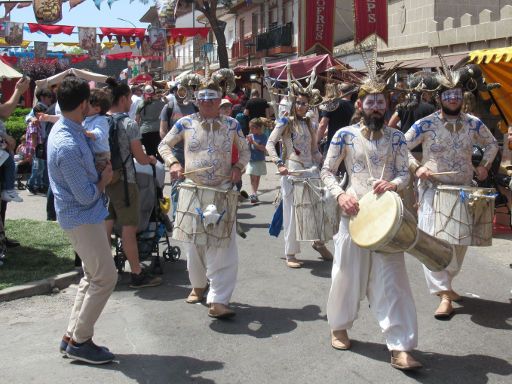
<point>38,69</point>
<point>209,10</point>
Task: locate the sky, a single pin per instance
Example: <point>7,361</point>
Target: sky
<point>86,15</point>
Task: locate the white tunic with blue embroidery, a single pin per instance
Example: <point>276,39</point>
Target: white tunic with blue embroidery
<point>448,146</point>
<point>366,160</point>
<point>208,143</point>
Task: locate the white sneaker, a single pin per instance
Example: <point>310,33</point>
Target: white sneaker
<point>11,195</point>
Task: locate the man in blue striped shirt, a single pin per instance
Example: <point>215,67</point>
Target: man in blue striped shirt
<point>81,213</point>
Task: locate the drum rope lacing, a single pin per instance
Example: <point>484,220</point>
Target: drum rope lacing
<point>464,196</point>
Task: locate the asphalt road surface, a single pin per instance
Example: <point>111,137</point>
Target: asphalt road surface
<point>280,333</point>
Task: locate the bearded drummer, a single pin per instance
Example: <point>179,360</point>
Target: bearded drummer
<point>299,153</point>
<point>447,137</point>
<point>376,160</point>
<point>208,139</point>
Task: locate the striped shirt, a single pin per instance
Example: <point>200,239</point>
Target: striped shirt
<point>73,176</point>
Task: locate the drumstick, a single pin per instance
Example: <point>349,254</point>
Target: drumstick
<point>445,173</point>
<point>197,170</point>
<point>296,172</point>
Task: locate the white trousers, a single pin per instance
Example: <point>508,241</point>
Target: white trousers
<point>437,281</point>
<point>218,265</point>
<point>358,272</point>
<point>291,245</point>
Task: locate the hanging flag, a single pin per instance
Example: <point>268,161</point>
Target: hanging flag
<point>371,17</point>
<point>87,37</point>
<point>8,8</point>
<point>101,36</point>
<point>74,3</point>
<point>317,26</point>
<point>157,38</point>
<point>47,11</point>
<point>13,33</point>
<point>97,3</point>
<point>95,52</point>
<point>40,49</point>
<point>145,48</point>
<point>51,29</point>
<point>24,4</point>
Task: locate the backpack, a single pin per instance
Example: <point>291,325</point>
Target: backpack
<point>115,136</point>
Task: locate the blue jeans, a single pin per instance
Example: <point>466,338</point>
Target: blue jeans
<point>37,177</point>
<point>8,173</point>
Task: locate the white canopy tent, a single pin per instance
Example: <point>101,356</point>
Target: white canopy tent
<point>8,72</point>
<point>56,79</point>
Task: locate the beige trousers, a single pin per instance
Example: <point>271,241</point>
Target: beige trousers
<point>100,277</point>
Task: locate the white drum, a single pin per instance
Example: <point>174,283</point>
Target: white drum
<point>205,215</point>
<point>383,224</point>
<point>317,215</point>
<point>464,215</point>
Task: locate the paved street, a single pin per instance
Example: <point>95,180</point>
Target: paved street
<point>280,333</point>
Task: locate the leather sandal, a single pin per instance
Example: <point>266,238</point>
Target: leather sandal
<point>292,262</point>
<point>445,308</point>
<point>220,311</point>
<point>404,361</point>
<point>196,295</point>
<point>340,340</point>
<point>320,247</point>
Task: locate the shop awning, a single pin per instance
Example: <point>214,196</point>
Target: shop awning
<point>301,68</point>
<point>428,62</point>
<point>496,64</point>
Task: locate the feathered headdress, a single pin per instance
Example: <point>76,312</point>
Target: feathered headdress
<point>461,75</point>
<point>375,83</point>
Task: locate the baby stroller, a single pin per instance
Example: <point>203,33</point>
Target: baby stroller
<point>154,226</point>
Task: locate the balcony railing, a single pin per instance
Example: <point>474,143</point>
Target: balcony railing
<point>281,36</point>
<point>240,48</point>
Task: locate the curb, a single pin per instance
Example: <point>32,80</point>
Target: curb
<point>40,287</point>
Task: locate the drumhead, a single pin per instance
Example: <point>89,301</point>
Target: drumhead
<point>378,220</point>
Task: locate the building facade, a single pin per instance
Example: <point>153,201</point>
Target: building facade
<point>418,29</point>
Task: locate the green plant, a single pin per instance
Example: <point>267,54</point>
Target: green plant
<point>45,251</point>
<point>15,124</point>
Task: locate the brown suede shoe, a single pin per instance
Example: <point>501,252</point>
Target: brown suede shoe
<point>340,340</point>
<point>196,295</point>
<point>292,262</point>
<point>404,361</point>
<point>322,250</point>
<point>445,309</point>
<point>220,311</point>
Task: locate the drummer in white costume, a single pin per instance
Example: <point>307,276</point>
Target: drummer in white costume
<point>376,159</point>
<point>447,137</point>
<point>208,141</point>
<point>300,152</point>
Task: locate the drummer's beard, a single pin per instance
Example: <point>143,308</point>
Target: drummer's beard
<point>451,112</point>
<point>374,121</point>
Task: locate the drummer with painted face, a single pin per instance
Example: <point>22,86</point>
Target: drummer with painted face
<point>447,137</point>
<point>375,156</point>
<point>208,139</point>
<point>300,154</point>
